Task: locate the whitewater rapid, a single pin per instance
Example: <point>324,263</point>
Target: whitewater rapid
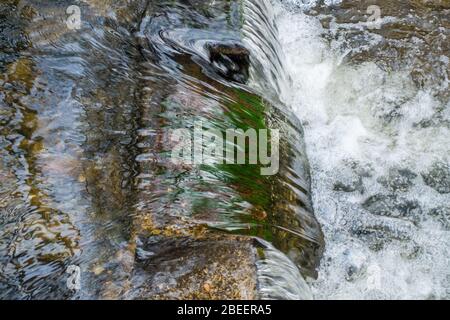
<point>380,177</point>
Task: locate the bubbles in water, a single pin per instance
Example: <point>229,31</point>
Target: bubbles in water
<point>379,152</point>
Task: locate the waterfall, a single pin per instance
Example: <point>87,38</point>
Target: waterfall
<point>377,144</point>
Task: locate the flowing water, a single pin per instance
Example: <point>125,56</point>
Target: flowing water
<point>86,179</point>
<point>86,176</point>
<point>374,104</point>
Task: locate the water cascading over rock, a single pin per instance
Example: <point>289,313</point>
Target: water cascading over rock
<point>87,160</point>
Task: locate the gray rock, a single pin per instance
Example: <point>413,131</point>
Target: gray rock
<point>442,214</point>
<point>438,177</point>
<point>398,179</point>
<point>393,206</point>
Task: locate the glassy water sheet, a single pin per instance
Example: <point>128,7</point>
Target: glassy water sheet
<point>227,149</point>
<point>96,99</point>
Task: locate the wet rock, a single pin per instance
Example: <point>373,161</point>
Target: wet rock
<point>379,233</point>
<point>350,186</point>
<point>232,61</point>
<point>218,267</point>
<point>356,265</point>
<point>351,179</point>
<point>12,36</point>
<point>411,250</point>
<point>125,256</point>
<point>442,214</point>
<point>393,206</point>
<point>181,260</point>
<point>398,180</point>
<point>189,261</point>
<point>13,39</point>
<point>438,177</point>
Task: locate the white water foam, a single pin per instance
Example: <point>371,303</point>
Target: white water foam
<point>384,217</point>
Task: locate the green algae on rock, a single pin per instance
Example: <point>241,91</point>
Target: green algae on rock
<point>87,116</point>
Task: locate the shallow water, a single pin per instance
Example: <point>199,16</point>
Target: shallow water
<point>86,176</point>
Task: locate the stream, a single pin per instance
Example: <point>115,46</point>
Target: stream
<point>92,91</point>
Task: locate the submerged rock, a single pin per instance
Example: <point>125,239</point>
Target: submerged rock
<point>393,206</point>
<point>215,267</point>
<point>232,61</point>
<point>189,261</point>
<point>442,214</point>
<point>378,233</point>
<point>352,177</point>
<point>13,37</point>
<point>438,177</point>
<point>132,220</point>
<point>350,186</point>
<point>398,180</point>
